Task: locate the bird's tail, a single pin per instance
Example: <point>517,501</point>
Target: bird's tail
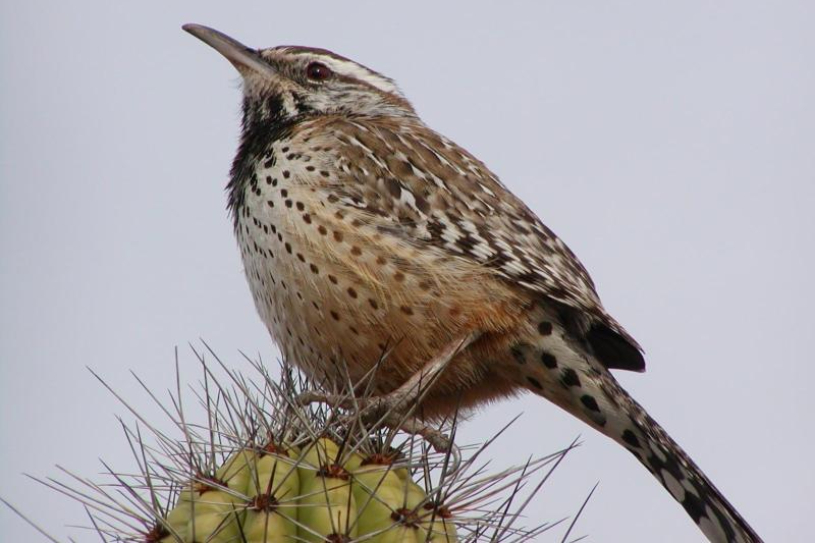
<point>596,397</point>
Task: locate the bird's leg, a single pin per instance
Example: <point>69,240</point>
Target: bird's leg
<point>395,409</point>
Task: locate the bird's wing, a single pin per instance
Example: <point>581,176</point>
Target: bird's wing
<point>413,183</point>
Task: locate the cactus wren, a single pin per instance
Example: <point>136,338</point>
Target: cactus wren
<point>363,231</point>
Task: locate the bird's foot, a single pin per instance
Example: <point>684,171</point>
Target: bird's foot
<point>395,409</point>
<point>378,411</point>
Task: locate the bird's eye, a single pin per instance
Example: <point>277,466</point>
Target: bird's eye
<point>316,71</point>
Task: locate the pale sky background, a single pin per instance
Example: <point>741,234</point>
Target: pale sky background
<point>671,145</point>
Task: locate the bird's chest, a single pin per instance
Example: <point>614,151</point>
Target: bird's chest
<point>277,222</point>
<point>326,291</point>
<point>332,288</point>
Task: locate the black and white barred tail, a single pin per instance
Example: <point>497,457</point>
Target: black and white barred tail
<point>595,396</point>
<point>680,476</point>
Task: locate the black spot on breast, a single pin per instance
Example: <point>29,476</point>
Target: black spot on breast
<point>570,378</point>
<point>590,402</point>
<point>549,360</point>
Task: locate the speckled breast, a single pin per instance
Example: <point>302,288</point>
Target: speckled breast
<point>334,290</point>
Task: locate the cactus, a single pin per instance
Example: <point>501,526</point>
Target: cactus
<point>264,469</point>
<point>317,493</point>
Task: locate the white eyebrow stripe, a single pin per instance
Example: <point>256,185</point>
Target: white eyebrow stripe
<point>361,73</point>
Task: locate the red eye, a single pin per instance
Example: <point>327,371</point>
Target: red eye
<point>317,71</point>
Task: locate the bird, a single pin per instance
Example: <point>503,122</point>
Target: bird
<point>363,231</point>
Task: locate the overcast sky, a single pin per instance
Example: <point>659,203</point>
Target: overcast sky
<point>670,144</point>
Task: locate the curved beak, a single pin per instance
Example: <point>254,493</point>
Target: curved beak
<point>243,58</point>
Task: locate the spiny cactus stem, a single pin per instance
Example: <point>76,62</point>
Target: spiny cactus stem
<point>264,502</point>
<point>240,472</point>
<point>406,517</point>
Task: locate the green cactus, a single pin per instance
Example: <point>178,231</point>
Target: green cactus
<point>264,496</point>
<point>264,469</point>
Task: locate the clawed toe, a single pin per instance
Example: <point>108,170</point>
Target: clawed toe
<point>381,411</point>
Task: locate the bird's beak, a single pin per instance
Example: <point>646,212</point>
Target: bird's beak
<point>243,58</point>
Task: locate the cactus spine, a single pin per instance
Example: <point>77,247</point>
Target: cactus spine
<point>264,469</point>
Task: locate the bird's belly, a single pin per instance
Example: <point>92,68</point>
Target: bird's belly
<point>340,297</point>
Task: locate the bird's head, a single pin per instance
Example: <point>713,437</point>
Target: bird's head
<point>288,83</point>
